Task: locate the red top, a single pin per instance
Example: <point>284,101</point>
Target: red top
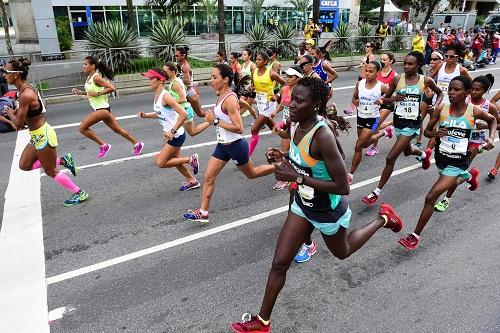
<point>495,43</point>
<point>387,79</point>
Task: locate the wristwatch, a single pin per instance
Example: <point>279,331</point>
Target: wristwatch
<point>216,121</point>
<point>300,180</point>
<point>173,130</point>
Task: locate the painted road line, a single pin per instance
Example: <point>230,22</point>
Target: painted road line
<point>23,290</point>
<point>206,233</point>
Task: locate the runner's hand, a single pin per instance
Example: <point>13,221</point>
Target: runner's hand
<point>274,155</point>
<point>398,97</point>
<point>14,127</point>
<point>75,91</point>
<point>488,145</point>
<point>168,136</point>
<point>141,115</point>
<point>285,172</point>
<point>210,116</point>
<point>441,132</point>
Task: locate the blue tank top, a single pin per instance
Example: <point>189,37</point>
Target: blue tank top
<point>320,71</point>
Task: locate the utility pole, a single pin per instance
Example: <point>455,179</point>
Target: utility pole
<point>5,22</point>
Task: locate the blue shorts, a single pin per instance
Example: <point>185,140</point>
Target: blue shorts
<point>236,151</point>
<point>407,131</point>
<point>453,171</point>
<point>190,113</point>
<point>177,142</point>
<point>325,228</point>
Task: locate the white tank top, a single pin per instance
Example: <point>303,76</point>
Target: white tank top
<point>246,70</point>
<point>223,135</point>
<point>367,97</point>
<point>443,80</point>
<point>167,117</point>
<point>479,136</point>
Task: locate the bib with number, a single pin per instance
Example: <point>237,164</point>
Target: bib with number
<point>454,144</point>
<point>261,101</point>
<point>368,109</point>
<point>286,113</point>
<point>409,108</point>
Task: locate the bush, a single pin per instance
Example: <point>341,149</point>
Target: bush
<point>122,43</point>
<point>259,38</point>
<point>166,34</point>
<point>64,33</point>
<point>341,38</point>
<point>397,39</point>
<point>285,36</point>
<point>365,33</point>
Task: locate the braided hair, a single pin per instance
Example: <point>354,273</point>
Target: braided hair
<point>486,80</point>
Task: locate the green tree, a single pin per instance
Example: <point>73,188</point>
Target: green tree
<point>210,8</point>
<point>428,6</point>
<point>222,26</point>
<point>381,12</point>
<point>255,7</point>
<point>301,8</point>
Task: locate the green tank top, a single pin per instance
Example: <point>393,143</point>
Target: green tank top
<point>306,165</point>
<point>98,102</point>
<point>172,92</point>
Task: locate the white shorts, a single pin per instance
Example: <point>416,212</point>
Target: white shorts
<point>269,108</point>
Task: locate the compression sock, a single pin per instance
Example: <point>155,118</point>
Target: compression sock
<point>38,164</point>
<point>253,143</point>
<point>62,179</point>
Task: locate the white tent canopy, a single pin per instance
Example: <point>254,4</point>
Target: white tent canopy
<point>388,8</point>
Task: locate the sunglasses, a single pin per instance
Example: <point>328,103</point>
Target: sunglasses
<point>434,59</point>
<point>368,46</point>
<point>450,56</point>
<point>303,64</point>
<point>12,72</point>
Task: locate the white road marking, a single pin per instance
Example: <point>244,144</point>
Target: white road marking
<point>23,303</point>
<point>190,238</point>
<point>58,313</point>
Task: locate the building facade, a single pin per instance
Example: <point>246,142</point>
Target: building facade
<point>239,18</point>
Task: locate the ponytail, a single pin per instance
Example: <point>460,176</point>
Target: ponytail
<point>101,67</point>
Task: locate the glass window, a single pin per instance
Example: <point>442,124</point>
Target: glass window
<point>228,19</point>
<point>238,22</point>
<point>97,16</point>
<point>112,7</point>
<point>113,16</point>
<point>145,22</point>
<point>60,11</point>
<point>92,8</point>
<point>77,8</point>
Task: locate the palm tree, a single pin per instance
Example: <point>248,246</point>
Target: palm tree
<point>210,7</point>
<point>315,11</point>
<point>381,12</point>
<point>255,7</point>
<point>301,8</point>
<point>5,22</point>
<point>131,16</point>
<point>222,26</point>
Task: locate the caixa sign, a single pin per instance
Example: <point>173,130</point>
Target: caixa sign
<point>329,3</point>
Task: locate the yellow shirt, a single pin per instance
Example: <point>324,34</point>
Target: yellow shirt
<point>263,84</point>
<point>418,43</point>
<point>468,56</point>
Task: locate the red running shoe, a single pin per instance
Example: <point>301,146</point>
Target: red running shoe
<point>249,324</point>
<point>426,162</point>
<point>394,222</point>
<point>410,242</point>
<point>370,199</point>
<point>493,173</point>
<point>474,184</point>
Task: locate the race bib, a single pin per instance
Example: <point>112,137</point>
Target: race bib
<point>368,109</point>
<point>452,145</point>
<point>409,108</point>
<point>444,86</point>
<point>286,112</point>
<point>306,192</point>
<point>261,101</point>
<point>479,136</point>
<point>221,134</point>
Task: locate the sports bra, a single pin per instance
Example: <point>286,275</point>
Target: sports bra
<point>41,108</point>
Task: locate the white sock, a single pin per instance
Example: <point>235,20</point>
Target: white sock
<point>377,191</point>
<point>204,212</point>
<point>424,155</point>
<point>416,236</point>
<point>447,199</point>
<point>350,175</point>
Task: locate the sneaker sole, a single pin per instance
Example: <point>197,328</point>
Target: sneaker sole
<point>393,212</point>
<point>369,204</point>
<point>79,202</point>
<point>409,249</point>
<point>199,220</point>
<point>191,188</point>
<point>490,176</point>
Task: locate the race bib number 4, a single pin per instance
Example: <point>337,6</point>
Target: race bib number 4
<point>262,101</point>
<point>221,134</point>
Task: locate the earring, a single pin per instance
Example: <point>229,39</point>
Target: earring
<point>316,109</point>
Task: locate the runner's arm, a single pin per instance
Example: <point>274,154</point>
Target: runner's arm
<point>430,131</point>
<point>101,82</point>
<point>181,92</point>
<point>18,116</point>
<point>186,74</point>
<point>465,72</point>
<point>232,107</point>
<point>491,120</point>
<point>431,84</point>
<point>276,77</point>
<point>389,98</point>
<point>170,101</point>
<point>332,73</point>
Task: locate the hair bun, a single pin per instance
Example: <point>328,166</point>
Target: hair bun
<point>25,61</point>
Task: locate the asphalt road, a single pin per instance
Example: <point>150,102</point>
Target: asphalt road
<point>450,284</point>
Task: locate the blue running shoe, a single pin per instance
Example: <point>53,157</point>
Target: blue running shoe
<point>306,252</point>
<point>195,163</point>
<point>186,186</point>
<point>197,216</point>
<point>76,199</point>
<point>69,163</point>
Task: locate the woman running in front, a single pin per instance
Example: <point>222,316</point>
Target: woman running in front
<point>264,79</point>
<point>385,75</point>
<point>230,143</point>
<point>367,97</point>
<point>41,151</point>
<point>177,89</point>
<point>292,75</point>
<point>247,69</point>
<point>480,86</point>
<point>409,88</point>
<point>456,122</point>
<point>97,88</point>
<point>171,115</point>
<point>186,75</point>
<point>316,166</point>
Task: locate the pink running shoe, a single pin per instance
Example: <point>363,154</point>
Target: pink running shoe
<point>389,132</point>
<point>372,151</point>
<point>249,324</point>
<point>349,178</point>
<point>138,148</point>
<point>410,242</point>
<point>103,150</point>
<point>473,183</point>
